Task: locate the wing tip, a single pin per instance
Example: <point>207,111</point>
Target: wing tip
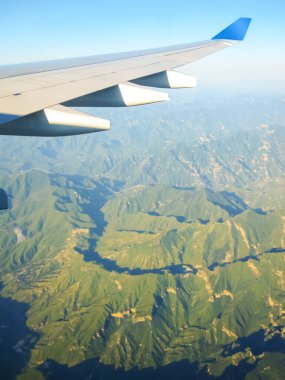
<point>236,31</point>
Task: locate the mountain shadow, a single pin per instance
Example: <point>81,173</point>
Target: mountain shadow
<point>258,343</point>
<point>92,369</point>
<point>91,255</point>
<point>16,339</point>
<point>230,202</point>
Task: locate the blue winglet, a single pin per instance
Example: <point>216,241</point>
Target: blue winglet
<point>236,31</point>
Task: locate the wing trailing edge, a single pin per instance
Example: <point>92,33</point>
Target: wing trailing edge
<point>167,79</point>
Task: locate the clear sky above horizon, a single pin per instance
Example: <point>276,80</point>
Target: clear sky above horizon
<point>40,30</point>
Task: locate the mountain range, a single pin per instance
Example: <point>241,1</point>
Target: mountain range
<point>155,250</point>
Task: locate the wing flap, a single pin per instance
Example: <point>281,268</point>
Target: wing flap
<point>55,121</point>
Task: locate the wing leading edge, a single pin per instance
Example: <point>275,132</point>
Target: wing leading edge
<point>35,98</point>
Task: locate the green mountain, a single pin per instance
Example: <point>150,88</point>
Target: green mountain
<point>153,251</point>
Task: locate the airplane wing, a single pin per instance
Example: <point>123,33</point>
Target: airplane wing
<point>35,98</point>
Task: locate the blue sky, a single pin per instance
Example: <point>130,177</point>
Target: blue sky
<point>40,30</point>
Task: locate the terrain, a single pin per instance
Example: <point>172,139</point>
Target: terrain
<point>155,250</point>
